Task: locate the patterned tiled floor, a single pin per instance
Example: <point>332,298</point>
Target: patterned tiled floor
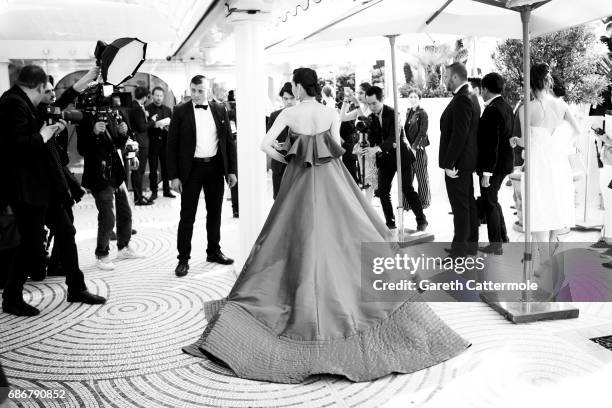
<point>127,353</point>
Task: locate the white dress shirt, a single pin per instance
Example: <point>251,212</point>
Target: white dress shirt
<point>206,132</point>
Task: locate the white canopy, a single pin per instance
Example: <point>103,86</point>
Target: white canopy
<point>460,17</point>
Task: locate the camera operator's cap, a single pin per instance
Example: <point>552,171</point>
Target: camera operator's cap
<point>120,59</point>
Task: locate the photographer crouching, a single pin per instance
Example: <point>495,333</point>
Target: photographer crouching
<point>36,190</point>
<point>101,137</point>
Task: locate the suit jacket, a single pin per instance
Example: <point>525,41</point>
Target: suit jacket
<point>459,132</point>
<point>103,166</point>
<point>162,112</point>
<point>182,140</point>
<point>494,133</point>
<point>277,166</point>
<point>416,126</point>
<point>137,121</point>
<point>384,137</point>
<point>25,167</point>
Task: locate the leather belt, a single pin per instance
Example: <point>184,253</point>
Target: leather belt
<point>203,159</point>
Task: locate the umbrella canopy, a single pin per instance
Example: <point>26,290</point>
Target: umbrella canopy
<point>460,17</point>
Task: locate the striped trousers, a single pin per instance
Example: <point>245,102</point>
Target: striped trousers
<point>419,168</point>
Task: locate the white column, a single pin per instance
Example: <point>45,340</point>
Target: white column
<point>4,76</point>
<point>251,94</point>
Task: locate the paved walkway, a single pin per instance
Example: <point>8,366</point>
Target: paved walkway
<point>127,353</point>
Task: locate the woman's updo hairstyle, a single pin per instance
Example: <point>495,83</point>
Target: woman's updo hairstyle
<point>540,77</point>
<point>308,79</point>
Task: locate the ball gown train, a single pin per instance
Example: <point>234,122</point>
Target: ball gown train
<point>296,308</point>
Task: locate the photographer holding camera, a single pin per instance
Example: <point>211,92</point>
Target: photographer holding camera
<point>50,111</point>
<point>383,142</point>
<point>100,140</point>
<point>36,190</point>
<point>353,107</point>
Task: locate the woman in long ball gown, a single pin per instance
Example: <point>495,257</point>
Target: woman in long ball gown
<point>296,309</point>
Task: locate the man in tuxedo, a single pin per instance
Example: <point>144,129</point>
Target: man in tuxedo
<point>36,189</point>
<point>201,152</point>
<point>158,141</point>
<point>383,144</point>
<point>495,158</point>
<point>138,118</point>
<point>278,168</point>
<point>458,157</point>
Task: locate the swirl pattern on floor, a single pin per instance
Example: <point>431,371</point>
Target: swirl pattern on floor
<point>127,353</point>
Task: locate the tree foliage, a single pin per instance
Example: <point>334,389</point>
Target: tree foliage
<point>572,54</point>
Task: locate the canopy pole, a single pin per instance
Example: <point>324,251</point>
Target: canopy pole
<point>525,310</point>
<point>527,258</point>
<point>398,140</point>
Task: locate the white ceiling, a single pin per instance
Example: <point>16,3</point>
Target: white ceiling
<point>55,28</point>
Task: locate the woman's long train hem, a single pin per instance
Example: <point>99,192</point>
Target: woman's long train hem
<point>410,339</point>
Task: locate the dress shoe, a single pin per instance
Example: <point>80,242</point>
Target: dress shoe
<point>153,196</point>
<point>219,258</point>
<point>391,226</point>
<point>169,194</point>
<point>181,269</point>
<point>422,226</point>
<point>86,297</point>
<point>19,308</point>
<point>143,201</point>
<point>492,249</point>
<point>601,244</point>
<point>236,215</point>
<point>134,232</point>
<point>607,265</point>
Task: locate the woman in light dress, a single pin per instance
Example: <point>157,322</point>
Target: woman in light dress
<point>551,189</point>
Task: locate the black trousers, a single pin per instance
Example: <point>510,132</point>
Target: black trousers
<point>30,221</point>
<point>350,162</point>
<point>208,177</point>
<point>157,155</point>
<point>465,215</point>
<point>138,174</point>
<point>385,178</point>
<point>278,170</point>
<point>496,225</point>
<point>54,260</point>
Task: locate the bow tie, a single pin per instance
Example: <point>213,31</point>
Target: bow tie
<point>201,107</point>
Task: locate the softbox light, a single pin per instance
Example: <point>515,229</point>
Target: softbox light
<point>120,59</point>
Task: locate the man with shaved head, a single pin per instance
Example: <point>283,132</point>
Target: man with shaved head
<point>458,156</point>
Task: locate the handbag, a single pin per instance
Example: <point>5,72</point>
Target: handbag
<point>9,234</point>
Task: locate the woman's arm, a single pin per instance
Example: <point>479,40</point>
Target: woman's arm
<point>335,129</point>
<point>267,143</point>
<point>345,115</point>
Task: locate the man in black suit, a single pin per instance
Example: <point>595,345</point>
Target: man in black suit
<point>383,144</point>
<point>278,168</point>
<point>138,121</point>
<point>158,141</point>
<point>495,158</point>
<point>201,152</point>
<point>36,189</point>
<point>458,157</point>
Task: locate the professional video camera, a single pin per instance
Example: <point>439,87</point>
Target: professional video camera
<point>119,61</point>
<point>363,128</point>
<point>53,114</point>
<point>364,124</point>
